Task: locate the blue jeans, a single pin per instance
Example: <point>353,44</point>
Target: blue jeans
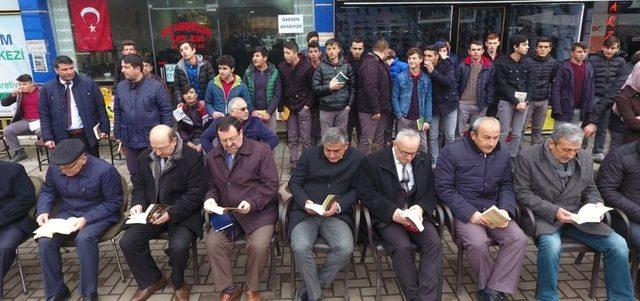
<point>616,263</point>
<point>449,123</point>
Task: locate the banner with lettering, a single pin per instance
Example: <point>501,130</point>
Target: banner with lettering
<point>91,25</point>
<point>14,59</point>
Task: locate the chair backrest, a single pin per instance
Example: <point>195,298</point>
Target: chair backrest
<point>37,184</point>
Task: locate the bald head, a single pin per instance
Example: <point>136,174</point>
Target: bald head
<point>486,134</point>
<point>163,140</point>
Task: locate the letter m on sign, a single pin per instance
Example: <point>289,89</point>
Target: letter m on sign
<point>5,39</point>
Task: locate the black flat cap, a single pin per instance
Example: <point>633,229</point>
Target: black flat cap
<point>66,152</point>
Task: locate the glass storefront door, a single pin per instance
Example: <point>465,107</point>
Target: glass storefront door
<point>477,23</point>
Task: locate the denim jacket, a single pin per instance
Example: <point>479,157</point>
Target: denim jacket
<point>401,95</point>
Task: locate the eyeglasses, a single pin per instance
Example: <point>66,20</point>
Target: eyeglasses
<point>406,154</point>
<point>230,139</point>
<point>241,109</point>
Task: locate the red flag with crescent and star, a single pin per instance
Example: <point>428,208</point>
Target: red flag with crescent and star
<point>92,27</point>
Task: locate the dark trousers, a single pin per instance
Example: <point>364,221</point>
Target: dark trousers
<point>354,122</point>
<point>601,133</point>
<point>424,284</point>
<point>91,150</point>
<point>10,238</point>
<point>135,247</point>
<point>131,155</point>
<point>87,247</point>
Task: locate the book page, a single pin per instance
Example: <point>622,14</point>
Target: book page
<point>56,225</point>
<point>590,213</point>
<point>179,114</point>
<point>315,208</point>
<point>415,218</point>
<point>495,217</point>
<point>34,125</point>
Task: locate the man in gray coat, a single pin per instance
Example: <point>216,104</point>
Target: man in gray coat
<point>555,179</point>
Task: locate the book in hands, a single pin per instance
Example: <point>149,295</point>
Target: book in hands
<point>415,218</point>
<point>326,205</point>
<point>589,213</point>
<point>219,210</point>
<point>179,114</point>
<point>495,217</point>
<point>520,96</point>
<point>56,225</point>
<point>96,131</point>
<point>153,212</point>
<point>341,78</point>
<point>420,123</point>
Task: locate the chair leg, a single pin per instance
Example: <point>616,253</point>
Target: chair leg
<point>292,271</point>
<point>194,255</point>
<point>111,150</point>
<point>38,150</point>
<point>594,275</point>
<point>347,275</point>
<point>24,285</point>
<point>115,250</point>
<point>459,268</point>
<point>579,258</point>
<point>272,258</point>
<point>378,275</point>
<point>363,254</point>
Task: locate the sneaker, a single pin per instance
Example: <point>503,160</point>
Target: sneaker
<point>597,158</point>
<point>19,155</point>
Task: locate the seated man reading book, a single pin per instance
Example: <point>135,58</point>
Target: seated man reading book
<point>89,194</point>
<point>242,174</point>
<point>324,177</point>
<point>555,179</point>
<point>170,178</point>
<point>396,183</point>
<point>472,175</point>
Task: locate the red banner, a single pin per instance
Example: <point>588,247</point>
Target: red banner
<point>92,27</point>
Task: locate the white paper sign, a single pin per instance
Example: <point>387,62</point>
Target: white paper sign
<point>290,24</point>
<point>36,46</point>
<point>169,70</point>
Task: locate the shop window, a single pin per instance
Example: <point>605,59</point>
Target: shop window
<point>559,22</point>
<point>403,27</point>
<point>618,18</point>
<point>475,23</point>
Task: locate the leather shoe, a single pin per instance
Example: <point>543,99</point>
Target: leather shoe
<point>63,295</point>
<point>230,297</point>
<point>252,296</point>
<point>144,294</point>
<point>90,297</point>
<point>181,293</point>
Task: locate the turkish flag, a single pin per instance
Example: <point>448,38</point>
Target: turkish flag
<point>92,27</point>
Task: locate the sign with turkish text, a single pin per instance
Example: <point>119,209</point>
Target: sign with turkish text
<point>91,25</point>
<point>14,59</point>
<point>290,24</point>
<point>193,32</point>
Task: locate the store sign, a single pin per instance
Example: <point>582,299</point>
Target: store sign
<point>14,60</point>
<point>290,24</point>
<point>193,32</point>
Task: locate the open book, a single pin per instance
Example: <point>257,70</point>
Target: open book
<point>212,207</point>
<point>415,218</point>
<point>326,205</point>
<point>341,78</point>
<point>153,212</point>
<point>496,217</point>
<point>590,213</point>
<point>56,225</point>
<point>178,114</point>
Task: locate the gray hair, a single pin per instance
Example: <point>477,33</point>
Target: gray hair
<point>233,101</point>
<point>404,134</point>
<point>567,131</point>
<point>478,122</point>
<point>334,135</point>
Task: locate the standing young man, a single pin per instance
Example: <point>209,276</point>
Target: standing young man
<point>374,98</point>
<point>297,77</point>
<point>610,73</point>
<point>411,98</point>
<point>127,47</point>
<point>335,92</point>
<point>355,58</point>
<point>492,53</point>
<point>224,87</point>
<point>573,89</point>
<point>513,85</point>
<point>263,82</point>
<point>191,70</point>
<point>543,68</point>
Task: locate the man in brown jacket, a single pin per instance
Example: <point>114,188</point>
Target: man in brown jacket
<point>242,174</point>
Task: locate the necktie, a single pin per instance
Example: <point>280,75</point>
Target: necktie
<point>229,160</point>
<point>405,178</point>
<point>67,95</point>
